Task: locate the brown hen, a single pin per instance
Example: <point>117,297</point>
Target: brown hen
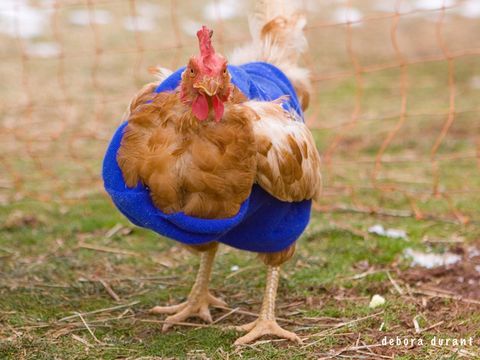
<point>200,148</point>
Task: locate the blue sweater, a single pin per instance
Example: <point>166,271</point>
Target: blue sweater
<point>263,224</point>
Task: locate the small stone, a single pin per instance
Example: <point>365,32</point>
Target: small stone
<point>377,300</point>
<point>234,268</point>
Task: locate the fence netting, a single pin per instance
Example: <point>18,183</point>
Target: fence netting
<point>395,108</point>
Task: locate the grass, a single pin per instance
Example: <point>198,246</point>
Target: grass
<point>47,275</point>
<point>51,202</point>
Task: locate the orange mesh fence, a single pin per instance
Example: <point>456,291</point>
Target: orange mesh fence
<point>394,107</point>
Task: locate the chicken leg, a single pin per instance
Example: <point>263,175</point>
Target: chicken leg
<point>266,323</point>
<point>199,298</point>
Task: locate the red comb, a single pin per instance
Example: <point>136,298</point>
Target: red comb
<point>205,43</point>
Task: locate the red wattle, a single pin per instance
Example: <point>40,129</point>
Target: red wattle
<point>200,107</point>
<point>218,108</point>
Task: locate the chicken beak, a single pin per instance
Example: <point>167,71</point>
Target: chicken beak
<point>209,86</point>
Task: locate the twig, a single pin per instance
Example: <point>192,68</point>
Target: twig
<point>364,274</point>
<point>459,351</point>
<point>349,348</point>
<point>225,316</point>
<point>100,310</point>
<point>123,314</point>
<point>109,290</point>
<point>89,330</point>
<point>57,286</point>
<point>435,289</point>
<point>376,355</point>
<point>432,326</point>
<point>116,228</point>
<point>338,326</point>
<point>162,262</point>
<point>293,304</point>
<point>105,320</point>
<point>320,318</point>
<point>395,284</point>
<point>107,249</point>
<point>141,278</point>
<point>426,239</point>
<point>81,340</point>
<point>8,251</point>
<point>383,212</point>
<point>446,296</point>
<point>370,351</point>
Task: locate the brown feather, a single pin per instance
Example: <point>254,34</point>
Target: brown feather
<point>303,94</point>
<point>205,169</point>
<point>279,257</point>
<point>144,95</point>
<point>288,164</point>
<point>201,247</point>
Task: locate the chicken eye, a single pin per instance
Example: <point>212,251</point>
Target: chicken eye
<point>225,71</point>
<point>192,72</point>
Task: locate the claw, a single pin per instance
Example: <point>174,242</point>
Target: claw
<point>262,327</point>
<point>184,314</point>
<point>194,307</point>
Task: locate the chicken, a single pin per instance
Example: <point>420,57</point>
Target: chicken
<point>215,153</point>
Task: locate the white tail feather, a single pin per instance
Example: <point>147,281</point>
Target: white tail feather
<point>277,38</point>
<point>160,73</point>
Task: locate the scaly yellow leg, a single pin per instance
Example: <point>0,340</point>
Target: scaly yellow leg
<point>198,300</point>
<point>266,323</point>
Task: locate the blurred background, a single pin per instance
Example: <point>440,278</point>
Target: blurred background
<point>396,117</point>
<point>395,107</point>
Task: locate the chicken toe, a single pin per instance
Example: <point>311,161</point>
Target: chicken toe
<point>263,327</point>
<point>199,300</point>
<point>266,323</point>
<point>195,306</point>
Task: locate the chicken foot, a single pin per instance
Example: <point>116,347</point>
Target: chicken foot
<point>198,300</point>
<point>266,323</point>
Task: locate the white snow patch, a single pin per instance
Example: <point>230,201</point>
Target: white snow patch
<point>433,4</point>
<point>222,9</point>
<point>85,17</point>
<point>151,10</point>
<point>391,233</point>
<point>18,18</point>
<point>139,23</point>
<point>377,300</point>
<point>43,49</point>
<point>347,14</point>
<point>473,252</point>
<point>430,260</point>
<point>234,268</point>
<point>470,9</point>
